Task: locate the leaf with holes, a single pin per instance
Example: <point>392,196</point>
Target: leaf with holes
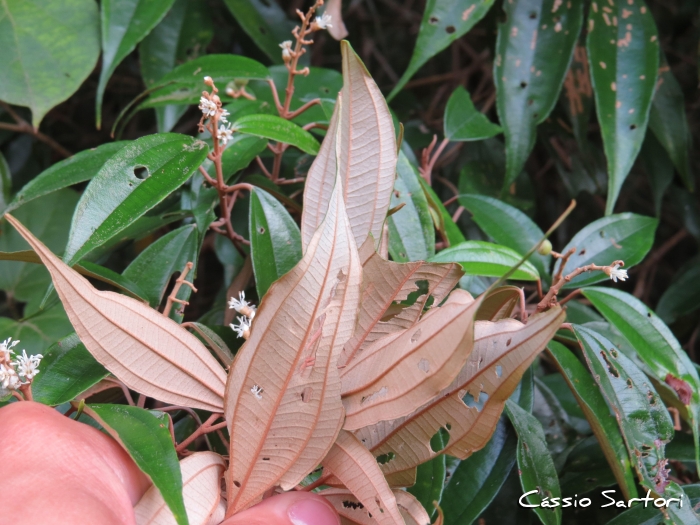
<point>470,407</point>
<point>145,350</point>
<point>362,125</point>
<point>353,512</point>
<point>624,236</point>
<point>535,464</point>
<point>132,182</point>
<point>287,369</point>
<point>394,296</point>
<point>443,23</point>
<point>641,415</point>
<point>623,56</point>
<point>487,258</point>
<point>401,372</point>
<point>533,52</point>
<point>431,478</point>
<point>463,122</point>
<point>124,24</point>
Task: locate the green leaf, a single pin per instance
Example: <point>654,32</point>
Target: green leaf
<point>66,371</point>
<point>136,179</point>
<point>623,53</point>
<point>597,413</point>
<point>441,217</point>
<point>214,341</point>
<point>533,52</point>
<point>443,22</point>
<point>276,128</point>
<point>79,168</point>
<point>643,419</point>
<point>681,297</point>
<point>265,22</point>
<point>477,479</point>
<point>668,121</point>
<point>48,218</point>
<point>430,478</point>
<point>275,240</point>
<point>154,266</point>
<point>185,83</point>
<point>49,48</point>
<point>535,465</point>
<point>5,184</point>
<point>239,153</point>
<point>37,332</point>
<point>488,259</point>
<point>624,236</point>
<point>643,514</point>
<point>462,120</point>
<point>658,167</point>
<point>507,226</point>
<point>411,231</point>
<point>95,271</point>
<point>124,24</point>
<point>654,343</point>
<point>146,437</point>
<point>182,35</point>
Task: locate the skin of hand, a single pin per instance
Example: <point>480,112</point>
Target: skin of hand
<point>57,471</point>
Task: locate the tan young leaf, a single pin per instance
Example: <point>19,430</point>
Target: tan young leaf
<point>147,351</point>
<point>468,408</point>
<point>386,283</point>
<point>282,401</point>
<point>353,512</point>
<point>357,469</point>
<point>366,161</point>
<point>401,372</point>
<point>411,509</point>
<point>499,304</point>
<point>201,490</point>
<point>334,8</point>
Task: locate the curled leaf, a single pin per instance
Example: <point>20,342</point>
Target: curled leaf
<point>353,512</point>
<point>147,351</point>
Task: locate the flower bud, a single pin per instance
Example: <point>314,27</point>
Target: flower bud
<point>545,248</point>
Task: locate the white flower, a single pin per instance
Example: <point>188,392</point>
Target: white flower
<point>6,349</point>
<point>286,50</point>
<point>223,115</point>
<point>9,380</point>
<point>225,134</point>
<point>256,391</point>
<point>207,106</point>
<point>27,366</point>
<point>242,329</point>
<point>324,21</point>
<point>616,273</point>
<point>242,306</point>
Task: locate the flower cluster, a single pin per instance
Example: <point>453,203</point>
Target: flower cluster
<point>210,106</point>
<point>21,371</point>
<point>615,273</point>
<point>247,310</point>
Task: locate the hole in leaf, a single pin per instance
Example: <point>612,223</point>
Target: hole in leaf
<point>649,315</point>
<point>613,353</point>
<point>383,459</point>
<point>477,403</point>
<point>630,384</point>
<point>633,127</point>
<point>141,172</point>
<point>261,230</point>
<point>416,336</point>
<point>611,368</point>
<point>652,398</point>
<point>523,84</point>
<point>354,505</point>
<point>533,15</point>
<point>237,483</point>
<point>424,365</point>
<point>509,341</point>
<point>434,20</point>
<point>499,370</point>
<point>582,252</point>
<point>440,439</point>
<point>266,459</point>
<point>602,233</point>
<point>306,394</point>
<point>450,29</point>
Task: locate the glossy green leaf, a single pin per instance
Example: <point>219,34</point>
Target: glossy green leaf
<point>647,514</point>
<point>265,22</point>
<point>214,341</point>
<point>48,49</point>
<point>146,437</point>
<point>597,413</point>
<point>411,231</point>
<point>67,370</point>
<point>477,479</point>
<point>507,226</point>
<point>275,240</point>
<point>586,468</point>
<point>185,83</point>
<point>624,236</point>
<point>668,121</point>
<point>441,217</point>
<point>79,168</point>
<point>430,478</point>
<point>124,24</point>
<point>135,180</point>
<point>152,269</point>
<point>641,415</point>
<point>623,53</point>
<point>443,22</point>
<point>462,120</point>
<point>658,167</point>
<point>276,128</point>
<point>535,465</point>
<point>681,297</point>
<point>488,259</point>
<point>181,36</point>
<point>5,184</point>
<point>533,52</point>
<point>38,331</point>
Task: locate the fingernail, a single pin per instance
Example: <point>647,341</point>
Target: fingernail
<point>312,512</point>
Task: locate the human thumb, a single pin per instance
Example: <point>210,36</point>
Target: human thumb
<point>290,508</point>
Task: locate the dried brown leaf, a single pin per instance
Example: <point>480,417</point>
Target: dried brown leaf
<point>283,403</point>
<point>499,304</point>
<point>366,161</point>
<point>144,349</point>
<point>468,408</point>
<point>405,370</point>
<point>386,283</point>
<point>201,476</point>
<point>358,470</point>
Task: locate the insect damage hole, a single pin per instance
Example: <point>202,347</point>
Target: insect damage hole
<point>383,459</point>
<point>424,365</point>
<point>237,484</point>
<point>306,394</point>
<point>450,29</point>
<point>141,172</point>
<point>499,371</point>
